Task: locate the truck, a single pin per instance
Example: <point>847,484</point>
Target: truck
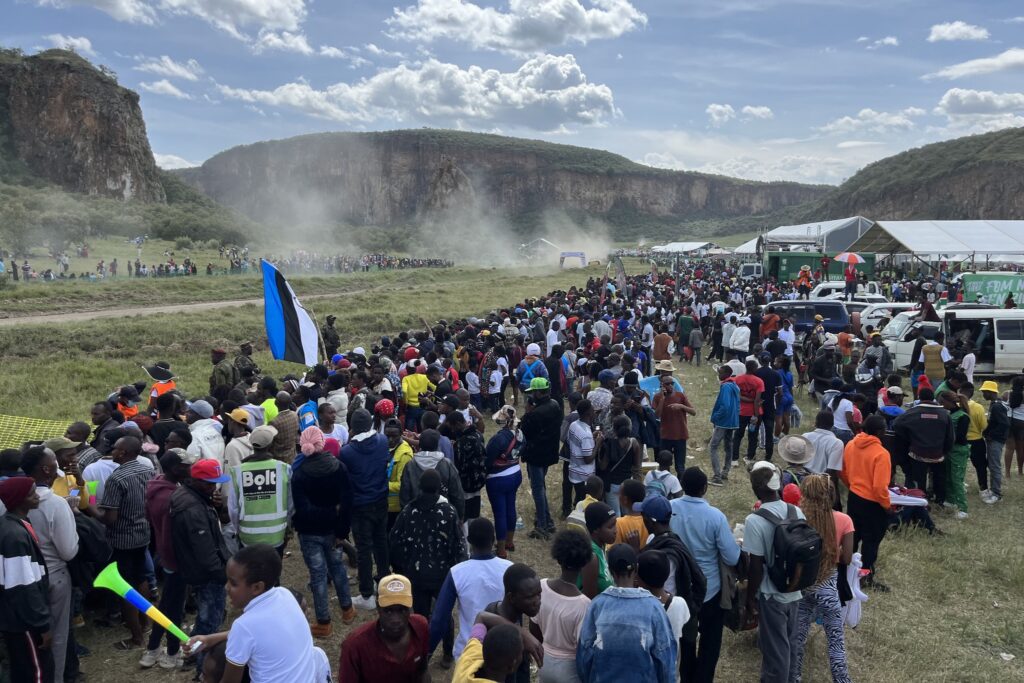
<point>785,265</point>
<point>993,286</point>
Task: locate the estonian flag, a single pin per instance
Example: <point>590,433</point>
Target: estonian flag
<point>290,330</point>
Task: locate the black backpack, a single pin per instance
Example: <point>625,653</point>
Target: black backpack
<point>796,551</point>
<point>93,551</point>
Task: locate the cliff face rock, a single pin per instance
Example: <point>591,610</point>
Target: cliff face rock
<point>975,177</point>
<point>388,178</point>
<point>76,127</point>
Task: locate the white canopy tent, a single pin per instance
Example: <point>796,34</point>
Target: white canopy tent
<point>682,247</point>
<point>926,238</point>
<point>829,236</point>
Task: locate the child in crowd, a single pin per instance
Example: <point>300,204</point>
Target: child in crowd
<point>630,527</point>
<point>661,481</point>
<point>652,572</point>
<point>594,488</point>
<point>473,385</point>
<point>494,380</point>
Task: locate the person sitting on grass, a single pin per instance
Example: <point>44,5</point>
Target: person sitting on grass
<point>594,489</point>
<point>271,637</point>
<point>595,577</point>
<point>630,526</point>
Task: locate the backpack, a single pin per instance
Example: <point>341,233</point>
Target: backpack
<point>796,551</point>
<point>691,584</point>
<point>524,381</point>
<point>471,462</point>
<point>656,486</point>
<point>93,551</point>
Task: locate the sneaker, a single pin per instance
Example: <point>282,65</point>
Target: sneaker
<point>348,614</point>
<point>986,493</point>
<point>538,534</point>
<point>149,659</point>
<point>520,524</point>
<point>749,462</point>
<point>946,505</point>
<point>715,481</point>
<point>166,661</point>
<point>961,514</point>
<point>725,476</point>
<point>993,498</point>
<point>321,630</point>
<point>78,621</point>
<point>359,602</point>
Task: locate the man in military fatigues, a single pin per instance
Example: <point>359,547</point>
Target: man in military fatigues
<point>244,363</point>
<point>224,371</point>
<point>332,340</point>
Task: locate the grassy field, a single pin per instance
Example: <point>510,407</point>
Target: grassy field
<point>955,601</point>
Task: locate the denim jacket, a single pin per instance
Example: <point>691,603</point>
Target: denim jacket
<point>626,635</point>
<point>726,413</point>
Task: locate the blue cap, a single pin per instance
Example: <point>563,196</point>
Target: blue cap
<point>605,376</point>
<point>335,358</point>
<point>657,508</point>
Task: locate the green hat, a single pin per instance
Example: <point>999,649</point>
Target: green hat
<point>539,384</point>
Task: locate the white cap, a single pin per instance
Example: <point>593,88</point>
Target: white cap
<point>775,483</point>
<point>532,349</point>
<point>359,351</point>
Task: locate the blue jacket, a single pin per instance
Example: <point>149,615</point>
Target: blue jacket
<point>626,636</point>
<point>726,413</point>
<point>367,458</point>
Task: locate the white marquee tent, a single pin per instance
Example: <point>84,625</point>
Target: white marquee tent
<point>830,236</point>
<point>943,238</point>
<point>683,247</point>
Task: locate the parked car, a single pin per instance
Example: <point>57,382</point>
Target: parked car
<point>802,313</point>
<point>826,289</point>
<point>877,315</point>
<point>862,298</point>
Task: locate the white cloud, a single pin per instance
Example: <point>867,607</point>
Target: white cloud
<point>546,92</point>
<point>957,30</point>
<point>863,39</point>
<point>134,11</point>
<point>961,101</point>
<point>283,41</point>
<point>169,162</point>
<point>231,16</point>
<point>526,27</point>
<point>165,66</point>
<point>79,44</point>
<point>381,52</point>
<point>760,112</point>
<point>720,114</point>
<point>888,41</point>
<point>1010,59</point>
<point>1015,20</point>
<point>858,144</point>
<point>165,87</point>
<point>874,121</point>
<point>347,54</point>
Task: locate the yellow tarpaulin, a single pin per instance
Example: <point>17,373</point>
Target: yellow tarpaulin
<point>14,430</point>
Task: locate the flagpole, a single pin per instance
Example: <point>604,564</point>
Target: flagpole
<point>321,344</point>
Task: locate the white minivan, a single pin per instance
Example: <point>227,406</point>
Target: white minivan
<point>825,289</point>
<point>997,335</point>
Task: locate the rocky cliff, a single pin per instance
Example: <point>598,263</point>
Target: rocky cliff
<point>386,179</point>
<point>73,125</point>
<point>975,177</point>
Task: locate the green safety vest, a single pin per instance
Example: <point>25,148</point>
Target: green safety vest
<point>260,492</point>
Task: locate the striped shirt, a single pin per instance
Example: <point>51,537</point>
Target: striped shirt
<point>125,491</point>
<point>581,445</point>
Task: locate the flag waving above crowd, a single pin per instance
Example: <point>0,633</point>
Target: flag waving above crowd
<point>291,331</point>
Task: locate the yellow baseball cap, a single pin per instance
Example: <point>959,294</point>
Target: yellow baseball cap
<point>394,589</point>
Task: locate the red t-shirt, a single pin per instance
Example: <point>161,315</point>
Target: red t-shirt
<point>673,420</point>
<point>750,386</point>
<point>365,658</point>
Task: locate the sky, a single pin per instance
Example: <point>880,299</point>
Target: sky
<point>804,90</point>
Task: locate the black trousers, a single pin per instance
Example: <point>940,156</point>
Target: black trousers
<point>423,600</point>
<point>698,659</point>
<point>979,458</point>
<point>919,472</point>
<point>27,662</point>
<point>870,521</point>
<point>369,531</point>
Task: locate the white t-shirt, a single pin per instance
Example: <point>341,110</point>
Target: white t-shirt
<point>472,382</point>
<point>967,364</point>
<point>678,614</point>
<point>272,637</point>
<point>552,339</point>
<point>340,433</point>
<point>648,336</point>
<point>494,385</point>
<point>788,336</point>
<point>844,407</point>
<point>670,481</point>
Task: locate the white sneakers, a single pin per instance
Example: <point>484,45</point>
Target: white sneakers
<point>989,498</point>
<point>359,602</point>
<point>960,514</point>
<point>160,657</point>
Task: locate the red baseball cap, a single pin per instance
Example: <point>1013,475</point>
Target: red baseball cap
<point>209,470</point>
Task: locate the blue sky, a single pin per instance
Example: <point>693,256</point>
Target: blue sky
<point>807,90</point>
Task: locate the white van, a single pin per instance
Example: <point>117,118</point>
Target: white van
<point>751,271</point>
<point>874,314</point>
<point>826,289</point>
<point>997,335</point>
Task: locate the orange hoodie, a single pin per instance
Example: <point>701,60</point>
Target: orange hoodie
<point>867,469</point>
